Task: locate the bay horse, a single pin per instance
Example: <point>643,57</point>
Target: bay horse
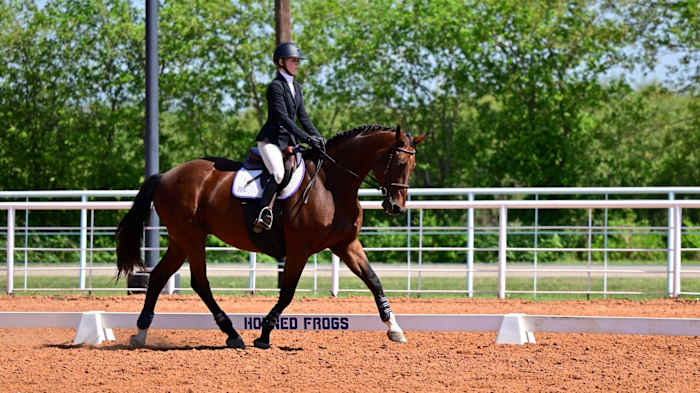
<point>194,200</point>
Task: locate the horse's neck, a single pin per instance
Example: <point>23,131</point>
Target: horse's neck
<point>359,158</point>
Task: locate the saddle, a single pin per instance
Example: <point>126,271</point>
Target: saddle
<point>253,160</point>
<point>251,177</point>
<point>248,185</point>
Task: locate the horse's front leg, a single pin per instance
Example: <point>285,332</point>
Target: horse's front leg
<point>355,258</point>
<point>293,268</point>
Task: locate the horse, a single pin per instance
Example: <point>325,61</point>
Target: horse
<point>194,200</point>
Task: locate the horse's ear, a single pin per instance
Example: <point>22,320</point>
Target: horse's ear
<point>398,132</point>
<point>417,140</point>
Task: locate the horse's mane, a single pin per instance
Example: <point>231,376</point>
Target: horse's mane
<point>365,129</point>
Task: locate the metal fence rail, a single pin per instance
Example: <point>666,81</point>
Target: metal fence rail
<point>411,269</point>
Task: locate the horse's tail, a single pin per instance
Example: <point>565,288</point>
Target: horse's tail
<point>130,228</point>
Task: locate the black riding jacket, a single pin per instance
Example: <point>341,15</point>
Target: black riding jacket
<point>283,110</point>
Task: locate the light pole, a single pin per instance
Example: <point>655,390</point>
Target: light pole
<point>150,139</point>
<point>283,33</point>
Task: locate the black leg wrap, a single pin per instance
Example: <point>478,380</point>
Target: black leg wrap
<point>145,319</point>
<point>384,308</point>
<point>224,323</point>
<point>269,322</point>
<point>234,339</point>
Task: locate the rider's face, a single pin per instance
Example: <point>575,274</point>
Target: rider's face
<point>292,64</point>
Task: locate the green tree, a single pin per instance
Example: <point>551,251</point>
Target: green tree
<point>71,93</point>
<point>215,65</point>
<point>506,87</point>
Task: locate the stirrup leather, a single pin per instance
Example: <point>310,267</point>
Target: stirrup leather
<point>264,220</point>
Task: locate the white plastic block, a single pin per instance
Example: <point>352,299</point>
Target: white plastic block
<point>514,331</point>
<point>91,330</point>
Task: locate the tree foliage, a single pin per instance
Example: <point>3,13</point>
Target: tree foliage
<point>514,93</point>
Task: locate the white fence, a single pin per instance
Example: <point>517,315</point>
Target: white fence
<point>673,271</point>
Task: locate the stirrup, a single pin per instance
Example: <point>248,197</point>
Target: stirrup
<point>264,220</point>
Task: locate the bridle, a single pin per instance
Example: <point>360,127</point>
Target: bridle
<point>385,188</point>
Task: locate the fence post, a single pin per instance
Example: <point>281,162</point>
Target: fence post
<point>83,242</point>
<point>470,248</point>
<point>335,276</point>
<point>589,253</point>
<point>605,251</point>
<point>534,245</point>
<point>10,250</point>
<point>677,226</point>
<point>252,259</point>
<point>502,244</point>
<point>408,249</point>
<point>420,251</point>
<point>669,253</point>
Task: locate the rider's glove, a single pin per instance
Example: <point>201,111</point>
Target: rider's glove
<point>317,142</point>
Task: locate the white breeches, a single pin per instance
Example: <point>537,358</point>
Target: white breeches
<point>272,157</point>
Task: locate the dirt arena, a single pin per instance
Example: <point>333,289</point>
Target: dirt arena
<point>43,360</point>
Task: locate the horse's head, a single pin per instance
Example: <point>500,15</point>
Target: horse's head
<point>394,168</point>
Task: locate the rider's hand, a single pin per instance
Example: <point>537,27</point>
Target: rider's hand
<point>317,142</point>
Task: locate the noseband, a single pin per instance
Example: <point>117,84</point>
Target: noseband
<point>387,186</point>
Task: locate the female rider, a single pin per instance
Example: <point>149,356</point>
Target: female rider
<point>285,105</point>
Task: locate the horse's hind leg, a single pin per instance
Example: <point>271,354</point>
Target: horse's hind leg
<point>355,258</point>
<point>200,284</point>
<point>168,265</point>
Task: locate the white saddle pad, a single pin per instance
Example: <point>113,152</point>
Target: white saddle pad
<point>245,187</point>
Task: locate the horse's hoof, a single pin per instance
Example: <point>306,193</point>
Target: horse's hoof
<point>396,336</point>
<point>235,342</point>
<point>258,343</point>
<point>137,341</point>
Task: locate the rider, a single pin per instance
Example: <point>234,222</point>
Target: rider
<point>285,104</point>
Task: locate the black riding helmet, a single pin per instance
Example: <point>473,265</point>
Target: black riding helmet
<point>286,49</point>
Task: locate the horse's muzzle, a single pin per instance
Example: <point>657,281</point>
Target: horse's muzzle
<point>392,208</point>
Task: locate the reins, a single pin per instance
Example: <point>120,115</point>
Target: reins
<point>372,181</point>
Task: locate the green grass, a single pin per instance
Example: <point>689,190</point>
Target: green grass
<point>485,287</point>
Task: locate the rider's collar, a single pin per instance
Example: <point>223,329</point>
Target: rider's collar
<point>286,76</point>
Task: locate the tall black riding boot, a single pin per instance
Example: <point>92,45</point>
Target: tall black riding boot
<point>265,217</point>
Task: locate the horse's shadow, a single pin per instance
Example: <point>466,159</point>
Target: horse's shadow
<point>160,348</point>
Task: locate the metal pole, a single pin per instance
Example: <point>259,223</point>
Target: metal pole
<point>252,260</point>
<point>470,248</point>
<point>171,285</point>
<point>315,273</point>
<point>280,271</point>
<point>677,227</point>
<point>283,33</point>
<point>408,251</point>
<point>10,250</point>
<point>92,246</point>
<point>605,252</point>
<point>420,251</point>
<point>335,275</point>
<point>26,244</point>
<point>83,243</point>
<point>502,244</point>
<point>590,246</point>
<point>534,254</point>
<point>151,137</point>
<point>670,245</point>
